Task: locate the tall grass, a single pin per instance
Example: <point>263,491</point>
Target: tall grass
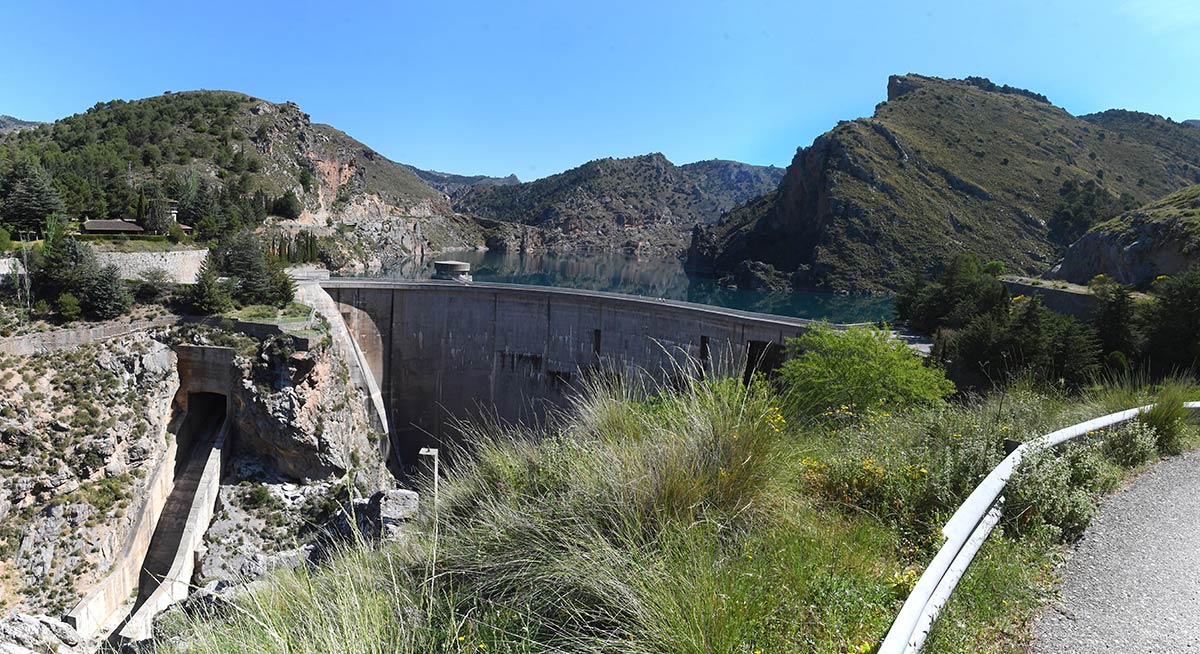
<point>696,519</point>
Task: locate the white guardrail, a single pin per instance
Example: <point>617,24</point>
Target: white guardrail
<point>965,533</point>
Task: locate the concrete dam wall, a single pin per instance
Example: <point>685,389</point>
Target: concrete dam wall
<point>441,351</point>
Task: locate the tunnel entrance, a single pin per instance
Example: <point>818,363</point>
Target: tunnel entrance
<point>195,439</point>
<point>765,357</point>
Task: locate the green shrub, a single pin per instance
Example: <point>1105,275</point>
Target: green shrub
<point>1169,416</point>
<point>5,240</point>
<point>154,286</point>
<point>67,306</point>
<point>1090,469</point>
<point>863,367</point>
<point>1042,498</point>
<point>287,206</point>
<point>1132,444</point>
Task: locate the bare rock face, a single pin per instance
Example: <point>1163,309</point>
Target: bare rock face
<point>79,431</point>
<point>22,633</point>
<point>390,509</point>
<point>301,413</point>
<point>1133,253</point>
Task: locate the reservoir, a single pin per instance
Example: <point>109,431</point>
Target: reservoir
<point>650,276</point>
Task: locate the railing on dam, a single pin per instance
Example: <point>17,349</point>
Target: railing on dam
<point>966,531</point>
<point>650,303</point>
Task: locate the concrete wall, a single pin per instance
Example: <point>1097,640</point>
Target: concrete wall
<point>183,265</point>
<point>347,348</point>
<point>59,339</point>
<point>205,369</point>
<point>177,583</point>
<point>444,350</point>
<point>1082,305</point>
<point>101,604</point>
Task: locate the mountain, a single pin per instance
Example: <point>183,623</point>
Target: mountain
<point>1160,238</point>
<point>456,186</point>
<point>638,203</point>
<point>1192,123</point>
<point>228,159</point>
<point>945,167</point>
<point>9,124</point>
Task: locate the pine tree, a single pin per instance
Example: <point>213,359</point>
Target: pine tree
<point>242,258</point>
<point>30,199</point>
<point>283,288</point>
<point>66,265</point>
<point>107,296</point>
<point>208,295</point>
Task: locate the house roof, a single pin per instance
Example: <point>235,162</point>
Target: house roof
<point>111,226</point>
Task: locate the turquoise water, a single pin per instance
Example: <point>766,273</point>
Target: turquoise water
<point>650,277</point>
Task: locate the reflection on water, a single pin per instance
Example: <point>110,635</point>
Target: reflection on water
<point>650,277</point>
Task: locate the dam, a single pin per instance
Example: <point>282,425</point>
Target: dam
<point>427,355</point>
<point>444,351</point>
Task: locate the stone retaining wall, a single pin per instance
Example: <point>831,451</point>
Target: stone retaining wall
<point>183,265</point>
<point>61,339</point>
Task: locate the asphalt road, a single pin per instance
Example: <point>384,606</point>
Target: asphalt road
<point>1132,584</point>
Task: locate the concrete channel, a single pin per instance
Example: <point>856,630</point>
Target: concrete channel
<point>154,568</point>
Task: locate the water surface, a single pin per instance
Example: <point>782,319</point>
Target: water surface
<point>650,276</point>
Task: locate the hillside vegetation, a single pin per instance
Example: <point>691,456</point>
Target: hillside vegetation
<point>231,160</point>
<point>643,202</point>
<point>1134,248</point>
<point>946,167</point>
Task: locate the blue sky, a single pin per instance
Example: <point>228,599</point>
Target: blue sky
<point>533,88</point>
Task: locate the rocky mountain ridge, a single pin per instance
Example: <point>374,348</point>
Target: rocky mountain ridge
<point>243,153</point>
<point>637,203</point>
<point>455,186</point>
<point>10,124</point>
<point>945,167</point>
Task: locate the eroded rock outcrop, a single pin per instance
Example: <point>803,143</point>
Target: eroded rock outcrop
<point>300,413</point>
<point>22,633</point>
<point>1162,238</point>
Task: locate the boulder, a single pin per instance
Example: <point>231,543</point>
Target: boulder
<point>390,509</point>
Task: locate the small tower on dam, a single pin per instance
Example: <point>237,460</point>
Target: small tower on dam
<point>455,271</point>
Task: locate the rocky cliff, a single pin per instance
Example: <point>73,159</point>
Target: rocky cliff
<point>299,414</point>
<point>82,429</point>
<point>943,167</point>
<point>79,429</point>
<point>1161,238</point>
